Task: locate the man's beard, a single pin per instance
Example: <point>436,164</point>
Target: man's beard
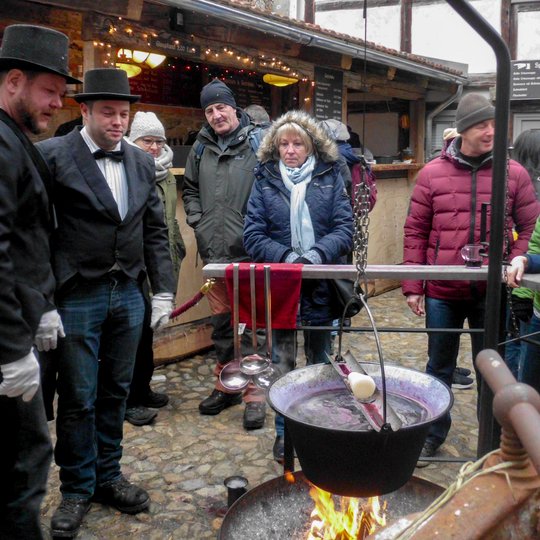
<point>27,119</point>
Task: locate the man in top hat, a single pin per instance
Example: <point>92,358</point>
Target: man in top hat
<point>444,215</point>
<point>33,76</point>
<point>217,183</point>
<point>110,236</point>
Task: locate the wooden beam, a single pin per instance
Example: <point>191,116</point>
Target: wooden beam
<point>309,11</point>
<point>405,26</point>
<point>335,5</point>
<point>381,85</point>
<point>134,9</point>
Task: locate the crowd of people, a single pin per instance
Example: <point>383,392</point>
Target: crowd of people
<point>90,254</point>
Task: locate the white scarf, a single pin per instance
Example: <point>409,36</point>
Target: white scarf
<point>163,163</point>
<point>296,181</point>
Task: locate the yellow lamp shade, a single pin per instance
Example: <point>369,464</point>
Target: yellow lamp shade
<point>154,60</point>
<point>130,69</point>
<point>278,80</point>
<point>140,56</point>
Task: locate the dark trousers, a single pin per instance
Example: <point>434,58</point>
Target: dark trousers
<point>103,321</point>
<point>443,348</point>
<point>530,367</point>
<point>24,466</point>
<point>144,361</point>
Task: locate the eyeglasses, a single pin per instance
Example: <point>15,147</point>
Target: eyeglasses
<point>149,142</point>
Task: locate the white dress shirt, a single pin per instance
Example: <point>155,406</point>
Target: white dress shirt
<point>113,171</point>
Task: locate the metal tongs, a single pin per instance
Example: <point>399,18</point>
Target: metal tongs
<point>372,408</point>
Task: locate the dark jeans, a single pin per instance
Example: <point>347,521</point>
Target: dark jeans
<point>284,348</point>
<point>443,348</point>
<point>530,367</point>
<point>26,457</point>
<point>144,361</point>
<point>514,352</point>
<point>103,321</point>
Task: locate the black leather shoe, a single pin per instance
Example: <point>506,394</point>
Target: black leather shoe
<point>279,449</point>
<point>139,416</point>
<point>67,518</point>
<point>428,450</point>
<point>254,415</point>
<point>155,400</point>
<point>124,496</point>
<point>217,401</point>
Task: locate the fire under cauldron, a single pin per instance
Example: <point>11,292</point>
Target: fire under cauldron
<point>280,508</point>
<point>358,462</point>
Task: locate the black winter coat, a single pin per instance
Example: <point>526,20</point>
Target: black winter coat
<point>26,279</point>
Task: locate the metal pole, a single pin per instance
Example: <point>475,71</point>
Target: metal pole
<point>488,433</point>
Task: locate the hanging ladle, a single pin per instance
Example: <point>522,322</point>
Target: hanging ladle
<point>253,364</point>
<point>237,374</point>
<point>266,377</point>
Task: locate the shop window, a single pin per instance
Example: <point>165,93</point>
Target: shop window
<point>525,121</point>
<point>439,31</point>
<point>383,23</point>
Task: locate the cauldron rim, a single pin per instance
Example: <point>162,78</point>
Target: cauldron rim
<point>428,420</point>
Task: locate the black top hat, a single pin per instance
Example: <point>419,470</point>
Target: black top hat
<point>106,83</point>
<point>36,48</point>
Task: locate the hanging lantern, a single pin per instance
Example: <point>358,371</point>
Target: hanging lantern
<point>404,121</point>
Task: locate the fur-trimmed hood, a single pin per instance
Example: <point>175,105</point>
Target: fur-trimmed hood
<point>325,148</point>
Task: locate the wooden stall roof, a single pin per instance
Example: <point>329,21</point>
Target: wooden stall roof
<point>231,9</point>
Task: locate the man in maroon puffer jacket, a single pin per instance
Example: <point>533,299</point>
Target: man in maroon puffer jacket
<point>444,215</point>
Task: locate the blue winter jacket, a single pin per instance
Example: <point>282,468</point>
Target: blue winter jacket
<point>267,229</point>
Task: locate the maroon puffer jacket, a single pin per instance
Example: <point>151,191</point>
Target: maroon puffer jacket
<point>440,221</point>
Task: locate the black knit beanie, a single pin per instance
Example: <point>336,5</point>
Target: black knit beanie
<point>217,92</point>
<point>473,109</point>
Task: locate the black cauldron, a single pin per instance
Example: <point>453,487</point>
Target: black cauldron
<point>358,462</point>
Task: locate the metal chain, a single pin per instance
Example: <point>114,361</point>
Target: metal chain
<point>507,233</point>
<point>361,230</point>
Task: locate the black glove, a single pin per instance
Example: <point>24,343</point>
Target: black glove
<point>522,308</point>
<point>301,260</point>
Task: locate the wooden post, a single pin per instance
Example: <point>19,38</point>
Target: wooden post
<point>418,128</point>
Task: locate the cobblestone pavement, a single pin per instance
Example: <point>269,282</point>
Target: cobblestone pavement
<point>183,458</point>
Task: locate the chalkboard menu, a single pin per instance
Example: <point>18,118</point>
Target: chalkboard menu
<point>328,95</point>
<point>171,83</point>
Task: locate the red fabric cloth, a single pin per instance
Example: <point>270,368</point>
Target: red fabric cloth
<point>285,283</point>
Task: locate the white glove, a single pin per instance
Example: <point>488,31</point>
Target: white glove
<point>162,306</point>
<point>50,328</point>
<point>20,377</point>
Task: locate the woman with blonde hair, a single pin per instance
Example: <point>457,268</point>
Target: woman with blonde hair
<point>299,212</point>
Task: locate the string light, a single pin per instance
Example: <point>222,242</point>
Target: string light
<point>213,54</point>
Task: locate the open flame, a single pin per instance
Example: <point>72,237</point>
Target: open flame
<point>354,521</point>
